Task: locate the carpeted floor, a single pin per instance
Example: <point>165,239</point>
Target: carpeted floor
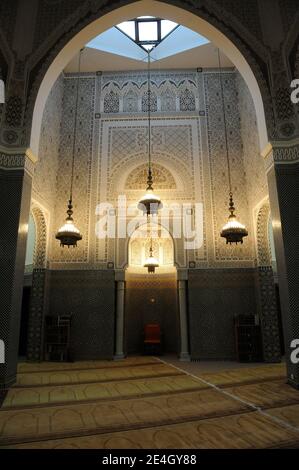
<point>147,403</point>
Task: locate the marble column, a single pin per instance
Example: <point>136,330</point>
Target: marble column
<point>282,166</point>
<point>16,171</point>
<point>120,314</point>
<point>184,337</point>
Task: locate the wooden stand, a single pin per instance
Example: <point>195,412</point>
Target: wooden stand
<point>57,338</point>
<point>248,339</point>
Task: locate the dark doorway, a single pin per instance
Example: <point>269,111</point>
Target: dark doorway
<point>24,322</point>
<point>151,299</point>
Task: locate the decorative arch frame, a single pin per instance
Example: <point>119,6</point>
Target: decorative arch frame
<point>122,170</point>
<point>40,249</point>
<point>174,244</point>
<point>158,225</point>
<point>195,18</point>
<point>262,235</point>
<point>143,167</point>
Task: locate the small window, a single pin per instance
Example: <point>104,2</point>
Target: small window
<point>148,30</point>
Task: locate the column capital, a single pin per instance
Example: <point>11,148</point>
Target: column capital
<point>182,274</point>
<point>120,275</point>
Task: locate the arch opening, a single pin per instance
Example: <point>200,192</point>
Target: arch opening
<point>150,8</point>
<point>151,299</point>
<point>162,244</point>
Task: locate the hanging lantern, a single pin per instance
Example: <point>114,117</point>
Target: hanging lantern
<point>150,203</point>
<point>69,234</point>
<point>233,230</point>
<point>151,263</point>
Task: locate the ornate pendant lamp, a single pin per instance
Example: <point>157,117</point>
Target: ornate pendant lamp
<point>151,263</point>
<point>69,234</point>
<point>233,231</point>
<point>150,203</point>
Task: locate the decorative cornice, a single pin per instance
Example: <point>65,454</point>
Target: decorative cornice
<point>22,159</point>
<point>281,152</point>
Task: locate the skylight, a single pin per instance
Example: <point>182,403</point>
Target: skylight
<point>134,38</point>
<point>147,31</point>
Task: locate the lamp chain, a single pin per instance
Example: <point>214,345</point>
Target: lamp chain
<point>75,125</point>
<point>149,110</point>
<point>225,123</point>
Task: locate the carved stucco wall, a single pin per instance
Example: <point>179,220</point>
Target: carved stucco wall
<point>40,248</point>
<point>218,164</point>
<point>82,169</point>
<point>262,235</point>
<point>29,44</point>
<point>257,188</point>
<point>253,162</point>
<point>255,174</point>
<point>46,168</point>
<point>46,172</point>
<point>187,149</point>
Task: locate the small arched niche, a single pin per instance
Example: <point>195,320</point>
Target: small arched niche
<point>162,244</point>
<point>162,176</point>
<point>151,298</point>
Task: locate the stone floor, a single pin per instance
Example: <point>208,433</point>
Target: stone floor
<point>146,402</point>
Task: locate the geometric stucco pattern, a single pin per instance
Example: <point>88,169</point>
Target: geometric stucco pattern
<point>170,92</point>
<point>256,180</point>
<point>123,152</point>
<point>82,167</point>
<point>162,177</point>
<point>46,168</point>
<point>58,25</point>
<point>218,163</point>
<point>123,155</point>
<point>40,248</point>
<point>262,235</point>
<point>111,154</point>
